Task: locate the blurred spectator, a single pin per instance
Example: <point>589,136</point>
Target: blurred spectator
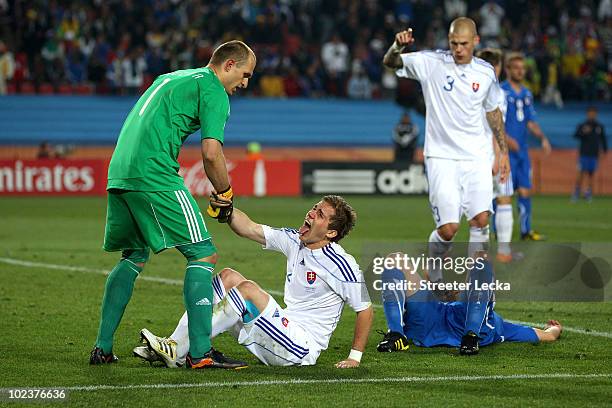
<point>271,84</point>
<point>454,9</point>
<point>7,67</point>
<point>309,44</point>
<point>359,86</point>
<point>132,70</point>
<point>335,57</point>
<point>253,151</point>
<point>405,136</point>
<point>45,151</point>
<point>491,15</point>
<point>592,139</point>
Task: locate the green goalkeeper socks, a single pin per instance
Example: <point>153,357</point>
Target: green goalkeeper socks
<point>198,296</point>
<point>117,294</point>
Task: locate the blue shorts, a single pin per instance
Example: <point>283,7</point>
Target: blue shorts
<point>521,169</point>
<point>588,164</point>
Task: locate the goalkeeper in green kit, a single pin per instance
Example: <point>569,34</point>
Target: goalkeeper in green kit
<point>149,207</point>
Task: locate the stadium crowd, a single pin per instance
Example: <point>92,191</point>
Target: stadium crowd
<point>307,48</point>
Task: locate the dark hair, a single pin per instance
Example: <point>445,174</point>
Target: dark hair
<point>492,55</point>
<point>344,217</point>
<point>236,50</point>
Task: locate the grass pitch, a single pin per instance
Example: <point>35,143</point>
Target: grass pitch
<point>50,315</point>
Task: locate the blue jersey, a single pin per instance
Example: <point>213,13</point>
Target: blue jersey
<point>520,111</point>
<point>429,323</point>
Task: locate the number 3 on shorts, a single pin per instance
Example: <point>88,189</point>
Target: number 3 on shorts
<point>436,213</point>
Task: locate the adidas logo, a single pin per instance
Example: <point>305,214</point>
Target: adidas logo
<point>276,314</point>
<point>203,302</point>
<point>302,262</point>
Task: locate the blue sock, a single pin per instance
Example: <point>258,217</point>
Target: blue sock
<point>477,301</point>
<point>393,300</point>
<point>525,214</point>
<point>252,312</point>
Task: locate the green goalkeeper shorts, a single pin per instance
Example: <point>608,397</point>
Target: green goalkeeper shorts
<point>156,220</point>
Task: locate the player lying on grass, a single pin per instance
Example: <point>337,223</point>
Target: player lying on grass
<point>321,277</point>
<point>468,323</point>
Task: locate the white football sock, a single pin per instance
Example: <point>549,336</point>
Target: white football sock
<point>504,221</point>
<point>224,317</point>
<point>181,336</point>
<point>479,240</point>
<point>218,289</point>
<point>438,247</point>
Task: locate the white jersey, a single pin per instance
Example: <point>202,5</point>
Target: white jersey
<point>455,96</point>
<point>318,283</point>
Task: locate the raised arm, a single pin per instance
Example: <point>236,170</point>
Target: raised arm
<point>496,123</point>
<point>243,226</point>
<point>392,58</point>
<point>363,323</point>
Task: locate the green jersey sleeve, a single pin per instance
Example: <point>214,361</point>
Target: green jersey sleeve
<point>214,112</point>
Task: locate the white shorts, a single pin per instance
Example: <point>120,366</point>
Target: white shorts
<point>458,187</point>
<point>277,341</point>
<point>505,189</point>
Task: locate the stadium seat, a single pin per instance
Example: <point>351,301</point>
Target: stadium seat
<point>11,88</point>
<point>27,88</point>
<point>64,89</point>
<point>84,89</point>
<point>46,89</point>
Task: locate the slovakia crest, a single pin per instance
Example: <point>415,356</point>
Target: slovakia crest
<point>285,321</point>
<point>475,86</point>
<point>311,277</point>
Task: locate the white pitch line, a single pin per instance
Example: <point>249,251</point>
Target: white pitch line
<point>299,381</point>
<point>84,269</point>
<point>19,262</point>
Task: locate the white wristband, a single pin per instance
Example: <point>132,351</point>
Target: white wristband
<point>355,355</point>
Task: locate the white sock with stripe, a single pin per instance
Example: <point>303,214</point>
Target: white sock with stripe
<point>504,221</point>
<point>219,292</point>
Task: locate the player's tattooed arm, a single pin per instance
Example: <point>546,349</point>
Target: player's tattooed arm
<point>392,58</point>
<point>496,122</point>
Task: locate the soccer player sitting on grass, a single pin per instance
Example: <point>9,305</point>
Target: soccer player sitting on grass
<point>321,277</point>
<point>468,323</point>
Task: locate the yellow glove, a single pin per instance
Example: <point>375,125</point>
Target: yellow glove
<point>221,205</point>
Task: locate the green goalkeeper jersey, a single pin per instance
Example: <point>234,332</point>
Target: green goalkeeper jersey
<point>175,106</point>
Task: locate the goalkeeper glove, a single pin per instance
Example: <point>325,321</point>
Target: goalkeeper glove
<point>221,205</point>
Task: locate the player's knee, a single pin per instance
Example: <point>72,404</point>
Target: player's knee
<point>136,256</point>
<point>480,220</point>
<point>504,200</point>
<point>249,289</point>
<point>447,231</point>
<point>231,278</point>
